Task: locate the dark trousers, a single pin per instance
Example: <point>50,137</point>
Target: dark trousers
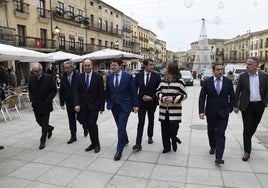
<point>150,109</point>
<point>121,118</point>
<point>72,116</point>
<point>72,123</point>
<point>216,127</point>
<point>169,131</point>
<point>91,118</point>
<point>251,118</point>
<point>43,119</point>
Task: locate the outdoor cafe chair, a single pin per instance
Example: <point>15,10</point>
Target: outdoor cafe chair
<point>9,103</point>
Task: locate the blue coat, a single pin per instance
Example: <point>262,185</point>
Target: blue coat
<point>125,94</point>
<point>221,104</point>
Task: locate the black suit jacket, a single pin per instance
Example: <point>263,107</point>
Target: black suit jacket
<point>150,89</point>
<point>213,104</point>
<point>91,98</point>
<point>42,93</point>
<point>67,91</point>
<point>242,93</point>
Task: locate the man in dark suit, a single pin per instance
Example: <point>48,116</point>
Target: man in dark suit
<point>42,90</point>
<point>216,101</point>
<point>67,90</point>
<point>251,99</point>
<point>146,83</point>
<point>121,99</point>
<point>89,99</point>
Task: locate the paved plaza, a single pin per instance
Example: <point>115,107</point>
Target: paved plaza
<point>62,165</point>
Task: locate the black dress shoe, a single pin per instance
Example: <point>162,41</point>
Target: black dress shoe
<point>212,151</point>
<point>42,146</point>
<point>97,149</point>
<point>246,156</point>
<point>85,133</point>
<point>178,140</point>
<point>219,161</point>
<point>71,140</point>
<point>90,147</point>
<point>166,151</point>
<point>150,140</point>
<point>174,145</point>
<point>1,147</point>
<point>50,133</point>
<point>117,156</point>
<point>136,148</point>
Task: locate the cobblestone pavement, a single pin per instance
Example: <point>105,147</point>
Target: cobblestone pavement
<point>60,165</point>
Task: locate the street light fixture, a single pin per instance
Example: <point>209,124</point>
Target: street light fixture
<point>117,44</point>
<point>57,29</point>
<point>55,36</point>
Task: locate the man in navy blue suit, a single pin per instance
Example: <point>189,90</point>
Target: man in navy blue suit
<point>218,93</point>
<point>146,83</point>
<point>121,99</point>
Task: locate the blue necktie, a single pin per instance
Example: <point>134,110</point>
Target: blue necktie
<point>70,80</point>
<point>116,80</point>
<point>218,86</point>
<point>147,79</point>
<point>87,81</point>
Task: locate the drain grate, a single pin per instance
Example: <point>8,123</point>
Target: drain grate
<point>199,127</point>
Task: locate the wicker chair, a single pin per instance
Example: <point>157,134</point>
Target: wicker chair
<point>2,110</point>
<point>9,103</point>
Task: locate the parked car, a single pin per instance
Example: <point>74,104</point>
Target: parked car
<point>237,72</point>
<point>206,74</point>
<point>135,71</point>
<point>187,77</point>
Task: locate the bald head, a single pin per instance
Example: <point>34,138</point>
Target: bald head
<point>37,69</point>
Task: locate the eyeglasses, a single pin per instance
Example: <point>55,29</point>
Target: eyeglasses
<point>36,71</point>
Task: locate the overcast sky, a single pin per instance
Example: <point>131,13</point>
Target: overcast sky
<point>178,22</point>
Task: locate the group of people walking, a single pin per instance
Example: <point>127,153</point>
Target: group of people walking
<point>217,99</point>
<point>83,95</point>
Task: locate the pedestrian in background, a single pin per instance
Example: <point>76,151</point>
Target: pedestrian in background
<point>216,101</point>
<point>171,92</point>
<point>251,99</point>
<point>12,78</point>
<point>121,99</point>
<point>42,90</point>
<point>89,100</point>
<point>66,96</point>
<point>146,83</point>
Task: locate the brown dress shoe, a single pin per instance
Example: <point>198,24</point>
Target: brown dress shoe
<point>246,156</point>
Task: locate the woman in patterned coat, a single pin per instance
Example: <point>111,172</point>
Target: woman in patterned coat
<point>171,92</point>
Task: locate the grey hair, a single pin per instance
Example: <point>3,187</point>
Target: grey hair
<point>39,65</point>
<point>69,63</point>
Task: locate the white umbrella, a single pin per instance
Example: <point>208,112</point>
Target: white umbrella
<point>55,56</point>
<point>8,52</point>
<point>60,55</point>
<point>108,54</point>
